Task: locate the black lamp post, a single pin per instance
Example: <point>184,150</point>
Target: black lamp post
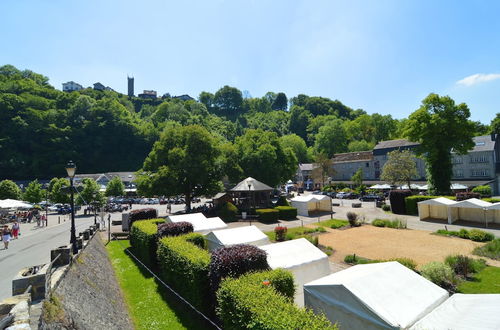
<point>249,204</point>
<point>47,204</point>
<point>94,206</point>
<point>71,170</point>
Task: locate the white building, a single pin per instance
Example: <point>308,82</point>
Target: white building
<point>71,86</point>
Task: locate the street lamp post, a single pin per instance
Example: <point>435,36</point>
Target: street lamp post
<point>94,206</point>
<point>249,204</point>
<point>71,170</point>
<point>47,204</point>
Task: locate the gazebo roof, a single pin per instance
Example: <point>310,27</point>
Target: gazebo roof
<point>250,184</point>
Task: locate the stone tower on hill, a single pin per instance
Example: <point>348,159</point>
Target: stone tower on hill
<point>130,81</point>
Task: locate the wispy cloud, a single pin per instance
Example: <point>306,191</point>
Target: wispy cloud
<point>478,78</point>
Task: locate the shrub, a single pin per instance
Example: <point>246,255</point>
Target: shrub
<point>412,201</point>
<point>235,261</point>
<point>397,199</point>
<point>268,215</point>
<point>142,214</point>
<point>254,301</point>
<point>380,222</point>
<point>407,262</point>
<point>464,265</point>
<point>489,250</point>
<point>143,240</point>
<point>280,233</point>
<point>492,200</point>
<point>463,233</point>
<point>466,195</point>
<point>286,212</point>
<point>227,212</point>
<point>196,239</point>
<point>484,191</point>
<point>386,207</point>
<point>185,267</point>
<point>396,224</point>
<point>440,274</point>
<point>313,239</point>
<point>480,235</point>
<point>353,219</point>
<point>282,201</point>
<point>174,229</point>
<point>350,259</point>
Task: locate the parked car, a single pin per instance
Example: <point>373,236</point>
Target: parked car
<point>351,195</point>
<point>371,198</point>
<point>341,195</point>
<point>317,192</point>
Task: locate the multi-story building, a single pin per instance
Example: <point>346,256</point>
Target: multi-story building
<point>148,94</point>
<point>71,86</point>
<point>99,87</point>
<point>303,177</point>
<point>481,165</point>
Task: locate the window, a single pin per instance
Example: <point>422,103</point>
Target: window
<point>458,173</point>
<point>478,159</point>
<point>480,173</point>
<point>457,160</point>
<point>480,143</point>
<point>367,164</point>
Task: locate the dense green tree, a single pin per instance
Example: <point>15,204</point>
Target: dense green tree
<point>357,177</point>
<point>274,121</point>
<point>252,105</point>
<point>299,121</point>
<point>315,124</point>
<point>280,102</point>
<point>495,124</point>
<point>34,192</point>
<point>90,193</point>
<point>115,187</point>
<point>228,102</point>
<point>480,128</point>
<point>297,144</point>
<point>360,146</point>
<point>261,156</point>
<point>184,161</point>
<point>8,189</point>
<point>59,190</point>
<point>400,167</point>
<point>440,126</point>
<point>331,138</point>
<point>208,100</point>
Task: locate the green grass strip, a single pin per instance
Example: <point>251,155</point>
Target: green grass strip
<point>149,303</point>
<point>486,281</point>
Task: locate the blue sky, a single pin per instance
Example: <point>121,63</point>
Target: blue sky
<point>382,56</point>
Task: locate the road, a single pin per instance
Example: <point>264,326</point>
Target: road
<point>33,247</point>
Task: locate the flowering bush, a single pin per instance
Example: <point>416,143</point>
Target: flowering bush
<point>280,233</point>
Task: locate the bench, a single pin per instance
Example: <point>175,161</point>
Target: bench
<point>119,235</point>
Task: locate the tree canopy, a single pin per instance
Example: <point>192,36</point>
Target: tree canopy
<point>400,167</point>
<point>34,192</point>
<point>440,126</point>
<point>8,189</point>
<point>115,187</point>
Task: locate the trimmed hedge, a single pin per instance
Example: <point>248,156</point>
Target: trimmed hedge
<point>483,190</point>
<point>185,267</point>
<point>411,203</point>
<point>461,196</point>
<point>476,235</point>
<point>235,261</point>
<point>196,239</point>
<point>282,201</point>
<point>227,212</point>
<point>254,301</point>
<point>174,229</point>
<point>492,200</point>
<point>397,199</point>
<point>286,212</point>
<point>143,240</point>
<point>142,214</point>
<point>268,215</point>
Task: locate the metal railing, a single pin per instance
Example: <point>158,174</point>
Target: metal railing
<point>48,276</point>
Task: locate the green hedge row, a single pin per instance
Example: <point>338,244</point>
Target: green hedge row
<point>143,240</point>
<point>268,215</point>
<point>286,212</point>
<point>264,300</point>
<point>492,200</point>
<point>185,267</point>
<point>411,203</point>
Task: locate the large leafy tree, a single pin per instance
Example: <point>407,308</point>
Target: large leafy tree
<point>440,126</point>
<point>297,144</point>
<point>59,190</point>
<point>357,177</point>
<point>495,124</point>
<point>185,160</point>
<point>90,193</point>
<point>8,189</point>
<point>400,167</point>
<point>115,187</point>
<point>331,138</point>
<point>34,192</point>
<point>280,102</point>
<point>262,156</point>
<point>228,102</point>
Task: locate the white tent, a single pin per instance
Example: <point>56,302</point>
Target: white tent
<point>374,296</point>
<point>458,186</point>
<point>464,311</point>
<point>14,204</point>
<point>424,187</point>
<point>302,258</point>
<point>436,208</point>
<point>493,213</point>
<point>472,209</point>
<point>310,203</point>
<point>201,224</point>
<point>241,235</point>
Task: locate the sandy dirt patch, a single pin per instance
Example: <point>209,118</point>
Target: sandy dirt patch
<point>386,243</point>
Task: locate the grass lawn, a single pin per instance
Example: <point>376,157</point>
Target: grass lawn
<point>486,281</point>
<point>333,223</point>
<point>297,232</point>
<point>489,250</point>
<point>150,305</point>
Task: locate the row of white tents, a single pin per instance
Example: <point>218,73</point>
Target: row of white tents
<point>302,258</point>
<point>390,296</point>
<point>472,209</point>
<point>453,186</point>
<point>308,204</point>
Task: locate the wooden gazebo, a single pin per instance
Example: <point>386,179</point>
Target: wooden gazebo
<point>251,193</point>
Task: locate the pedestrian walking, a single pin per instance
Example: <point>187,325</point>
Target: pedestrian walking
<point>6,235</point>
<point>169,208</point>
<point>44,220</point>
<point>16,229</point>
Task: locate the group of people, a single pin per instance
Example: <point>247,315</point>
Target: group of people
<point>31,216</point>
<point>10,233</point>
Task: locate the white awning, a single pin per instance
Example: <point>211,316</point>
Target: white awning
<point>14,204</point>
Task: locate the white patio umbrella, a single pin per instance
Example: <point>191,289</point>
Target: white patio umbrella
<point>13,204</point>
